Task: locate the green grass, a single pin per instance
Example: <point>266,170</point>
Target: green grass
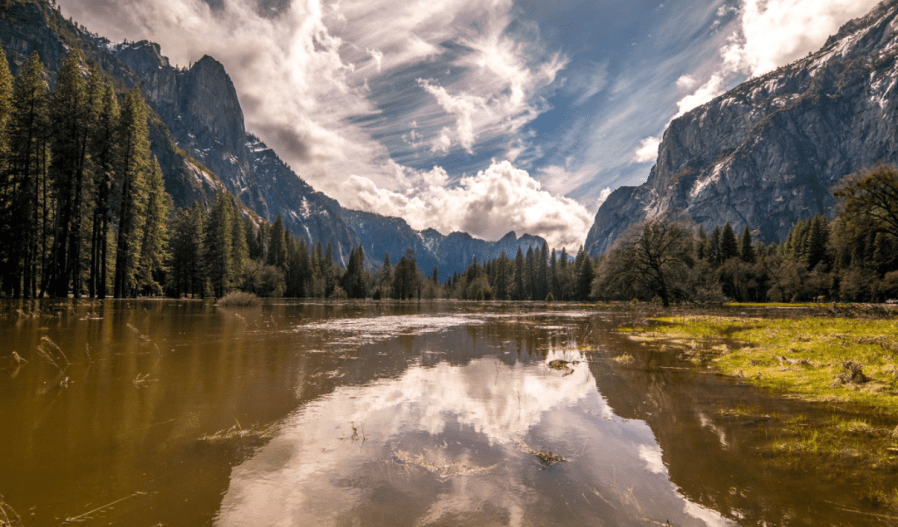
<point>800,357</point>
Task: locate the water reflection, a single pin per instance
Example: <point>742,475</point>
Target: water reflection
<point>449,444</point>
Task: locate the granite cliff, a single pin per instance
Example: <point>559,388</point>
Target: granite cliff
<point>768,152</point>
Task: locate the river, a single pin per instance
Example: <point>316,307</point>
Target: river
<point>170,413</point>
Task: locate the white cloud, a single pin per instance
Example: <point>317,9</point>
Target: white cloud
<point>774,33</point>
<point>562,181</point>
<point>711,89</point>
<point>603,197</point>
<point>686,82</point>
<point>463,108</point>
<point>647,152</point>
<point>378,57</point>
<point>487,205</point>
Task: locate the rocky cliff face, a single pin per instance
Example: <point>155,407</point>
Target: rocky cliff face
<point>201,108</point>
<point>768,153</point>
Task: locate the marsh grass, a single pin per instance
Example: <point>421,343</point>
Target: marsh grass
<point>8,516</point>
<point>237,432</point>
<point>53,354</point>
<point>823,359</point>
<point>443,468</point>
<point>543,455</point>
<point>625,359</point>
<point>239,299</point>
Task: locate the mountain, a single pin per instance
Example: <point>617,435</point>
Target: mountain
<point>767,153</point>
<point>199,136</point>
<point>450,254</point>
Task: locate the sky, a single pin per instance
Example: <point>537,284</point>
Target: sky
<point>482,116</point>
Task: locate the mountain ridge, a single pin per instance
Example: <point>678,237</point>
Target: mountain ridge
<point>767,153</point>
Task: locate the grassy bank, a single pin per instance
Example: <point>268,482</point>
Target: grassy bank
<point>850,364</point>
<point>828,359</point>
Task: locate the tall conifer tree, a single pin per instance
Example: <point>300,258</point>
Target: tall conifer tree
<point>134,159</point>
<point>104,157</point>
<point>71,115</point>
<point>27,196</point>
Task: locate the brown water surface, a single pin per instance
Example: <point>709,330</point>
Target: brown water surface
<point>183,413</point>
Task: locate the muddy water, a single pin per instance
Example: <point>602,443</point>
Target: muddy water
<point>182,413</point>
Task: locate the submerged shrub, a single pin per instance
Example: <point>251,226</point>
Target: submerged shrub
<point>239,299</point>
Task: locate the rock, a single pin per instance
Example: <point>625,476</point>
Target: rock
<point>768,152</point>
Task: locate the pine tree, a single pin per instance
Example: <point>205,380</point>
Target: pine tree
<point>188,275</point>
<point>712,248</point>
<point>329,271</point>
<point>815,242</point>
<point>529,275</point>
<point>134,158</point>
<point>6,110</point>
<point>154,246</point>
<point>746,250</point>
<point>542,273</point>
<point>518,291</point>
<point>406,279</point>
<point>384,277</point>
<point>103,155</point>
<point>728,246</point>
<point>26,192</point>
<point>239,247</point>
<point>218,241</point>
<point>298,272</point>
<point>585,275</point>
<point>253,244</point>
<point>554,283</point>
<point>700,243</point>
<point>355,278</point>
<point>72,117</point>
<point>277,254</point>
<point>502,277</point>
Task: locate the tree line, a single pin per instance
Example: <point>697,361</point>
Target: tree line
<point>538,274</point>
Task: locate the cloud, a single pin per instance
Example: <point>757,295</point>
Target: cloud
<point>378,58</point>
<point>331,86</point>
<point>774,33</point>
<point>463,108</point>
<point>487,205</point>
<point>603,197</point>
<point>686,82</point>
<point>711,89</point>
<point>561,181</point>
<point>647,152</point>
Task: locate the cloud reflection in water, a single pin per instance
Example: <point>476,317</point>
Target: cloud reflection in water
<point>445,445</point>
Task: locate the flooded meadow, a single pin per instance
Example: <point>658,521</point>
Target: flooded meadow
<point>170,413</point>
